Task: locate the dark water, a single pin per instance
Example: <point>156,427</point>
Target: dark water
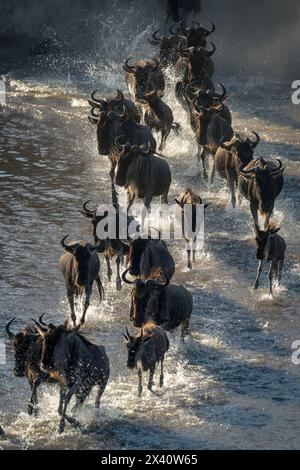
<point>232,385</point>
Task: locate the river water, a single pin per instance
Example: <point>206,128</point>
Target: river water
<point>233,384</point>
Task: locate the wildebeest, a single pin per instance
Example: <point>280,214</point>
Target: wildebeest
<point>145,350</point>
<point>143,76</point>
<point>159,117</point>
<point>148,303</point>
<point>143,174</point>
<point>112,124</point>
<point>27,356</point>
<point>115,103</point>
<point>260,183</point>
<point>211,128</point>
<point>193,62</point>
<point>76,364</point>
<point>230,156</point>
<point>183,92</point>
<point>112,247</point>
<point>80,267</point>
<point>270,247</point>
<point>189,220</point>
<point>195,35</point>
<point>168,54</point>
<point>147,255</point>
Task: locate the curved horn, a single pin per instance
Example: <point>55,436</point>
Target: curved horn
<point>124,279</point>
<point>120,146</point>
<point>181,50</point>
<point>197,108</point>
<point>247,173</point>
<point>210,53</point>
<point>128,68</point>
<point>213,28</point>
<point>97,115</point>
<point>69,248</point>
<point>154,35</point>
<point>41,320</point>
<point>41,329</point>
<point>88,211</point>
<point>113,114</point>
<point>276,170</point>
<point>223,95</point>
<point>7,330</point>
<point>96,101</point>
<point>254,144</point>
<point>229,145</point>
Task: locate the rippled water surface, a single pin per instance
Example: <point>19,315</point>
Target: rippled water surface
<point>232,385</point>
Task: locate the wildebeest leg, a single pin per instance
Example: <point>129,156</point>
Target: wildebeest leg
<point>161,377</point>
<point>33,399</point>
<point>259,270</point>
<point>112,177</point>
<point>66,399</point>
<point>109,270</point>
<point>101,388</point>
<point>147,202</point>
<point>279,270</point>
<point>254,213</point>
<point>118,280</point>
<point>204,162</point>
<point>100,287</point>
<point>151,375</point>
<point>194,250</point>
<point>270,275</point>
<point>164,198</point>
<point>62,393</point>
<point>267,220</point>
<point>199,152</point>
<point>189,263</point>
<point>88,293</point>
<point>164,135</point>
<point>231,185</point>
<point>70,294</point>
<point>185,329</point>
<point>140,376</point>
<point>212,176</point>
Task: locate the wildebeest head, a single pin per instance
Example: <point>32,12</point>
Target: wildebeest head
<point>196,57</point>
<point>189,197</point>
<point>204,97</point>
<point>147,76</point>
<point>22,341</point>
<point>204,117</point>
<point>262,237</point>
<point>106,121</point>
<point>267,179</point>
<point>196,35</point>
<point>243,148</point>
<point>134,346</point>
<point>126,156</point>
<point>83,253</point>
<point>108,103</point>
<point>50,340</point>
<point>167,47</point>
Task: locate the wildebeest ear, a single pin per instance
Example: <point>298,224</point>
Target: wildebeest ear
<point>126,339</point>
<point>85,214</point>
<point>206,205</point>
<point>180,203</point>
<point>145,339</point>
<point>93,120</point>
<point>275,230</point>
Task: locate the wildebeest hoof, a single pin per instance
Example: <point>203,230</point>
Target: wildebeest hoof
<point>61,427</point>
<point>190,266</point>
<point>161,382</point>
<point>255,287</point>
<point>30,409</point>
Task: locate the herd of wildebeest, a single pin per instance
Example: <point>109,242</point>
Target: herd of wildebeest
<point>61,354</point>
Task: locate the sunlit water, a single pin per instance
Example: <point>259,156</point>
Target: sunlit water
<point>232,385</point>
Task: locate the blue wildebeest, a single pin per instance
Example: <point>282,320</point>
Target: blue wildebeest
<point>143,174</point>
<point>145,350</point>
<point>168,54</point>
<point>147,298</point>
<point>80,267</point>
<point>269,247</point>
<point>260,183</point>
<point>193,62</point>
<point>27,356</point>
<point>211,128</point>
<point>195,35</point>
<point>158,116</point>
<point>230,156</point>
<point>189,221</point>
<point>143,76</point>
<point>76,364</point>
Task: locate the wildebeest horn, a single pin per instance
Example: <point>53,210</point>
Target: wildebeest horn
<point>276,170</point>
<point>93,120</point>
<point>8,332</point>
<point>223,95</point>
<point>188,91</point>
<point>155,37</point>
<point>113,114</point>
<point>197,108</point>
<point>247,173</point>
<point>121,96</point>
<point>230,143</point>
<point>120,146</point>
<point>93,112</point>
<point>98,101</point>
<point>69,248</point>
<point>171,30</point>
<point>213,27</point>
<point>39,327</point>
<point>124,279</point>
<point>89,211</point>
<point>254,144</point>
<point>128,68</point>
<point>181,50</point>
<point>41,321</point>
<point>210,53</point>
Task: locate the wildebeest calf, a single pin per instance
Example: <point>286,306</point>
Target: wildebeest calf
<point>80,266</point>
<point>27,355</point>
<point>270,247</point>
<point>145,350</point>
<point>76,364</point>
<point>189,221</point>
<point>159,116</point>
